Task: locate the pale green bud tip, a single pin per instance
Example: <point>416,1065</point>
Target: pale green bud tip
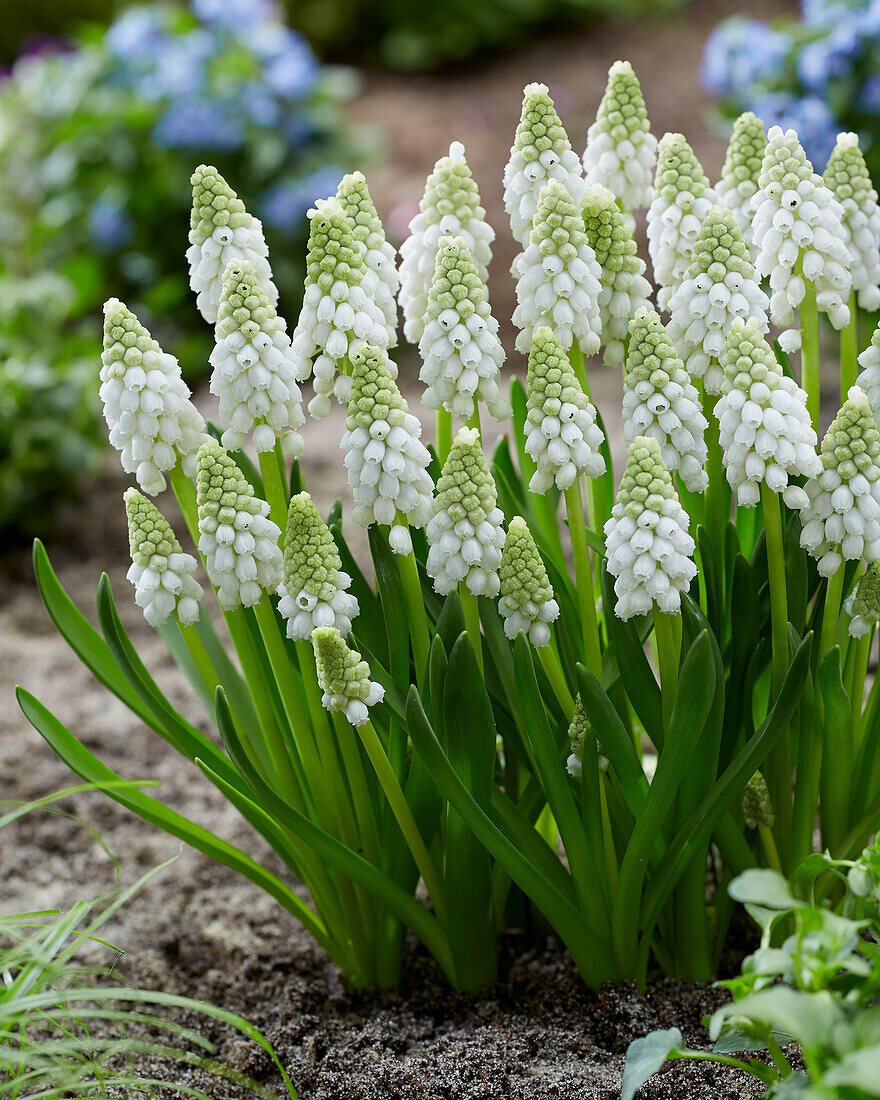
<point>456,279</point>
<point>745,152</point>
<point>523,575</point>
<point>243,299</point>
<point>866,599</point>
<point>149,533</point>
<point>374,393</point>
<point>311,559</point>
<point>354,195</point>
<point>748,358</point>
<point>678,169</point>
<point>550,374</point>
<point>343,676</point>
<point>646,482</point>
<point>607,231</point>
<point>124,336</point>
<point>623,102</point>
<point>333,252</point>
<point>847,174</point>
<point>651,356</point>
<point>540,128</point>
<point>557,216</point>
<point>720,247</point>
<point>220,484</point>
<point>756,805</point>
<point>852,443</point>
<point>214,202</point>
<point>466,486</point>
<point>785,161</point>
<point>451,189</point>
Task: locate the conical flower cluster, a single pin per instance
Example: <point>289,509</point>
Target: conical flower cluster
<point>863,603</point>
<point>254,367</point>
<point>847,178</point>
<point>869,377</point>
<point>579,732</point>
<point>450,207</point>
<point>562,435</point>
<point>527,602</point>
<point>153,424</point>
<point>682,198</point>
<point>842,518</point>
<point>161,573</point>
<point>465,535</point>
<point>798,231</point>
<point>238,541</point>
<point>386,461</point>
<point>742,170</point>
<point>660,401</point>
<point>621,150</point>
<point>764,427</point>
<point>344,677</point>
<point>625,290</point>
<point>719,287</point>
<point>647,545</point>
<point>756,804</point>
<point>222,231</point>
<point>314,589</point>
<point>338,309</point>
<point>380,257</point>
<point>541,152</point>
<point>460,350</point>
<point>558,276</point>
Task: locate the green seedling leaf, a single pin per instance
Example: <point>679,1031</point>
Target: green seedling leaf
<point>645,1056</point>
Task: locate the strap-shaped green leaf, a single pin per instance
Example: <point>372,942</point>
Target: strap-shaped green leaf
<point>393,607</point>
<point>838,756</point>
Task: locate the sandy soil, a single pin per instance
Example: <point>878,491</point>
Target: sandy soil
<point>195,928</point>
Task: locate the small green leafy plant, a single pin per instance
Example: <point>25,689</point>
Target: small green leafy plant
<point>534,703</point>
<point>813,982</point>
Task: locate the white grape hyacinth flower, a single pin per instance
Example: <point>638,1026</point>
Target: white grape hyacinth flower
<point>460,349</point>
<point>237,539</point>
<point>344,678</point>
<point>863,603</point>
<point>465,536</point>
<point>541,152</point>
<point>621,150</point>
<point>719,287</point>
<point>647,545</point>
<point>314,591</point>
<point>846,176</point>
<point>221,232</point>
<point>526,602</point>
<point>559,278</point>
<point>450,207</point>
<point>254,368</point>
<point>162,574</point>
<point>386,460</point>
<point>869,376</point>
<point>765,431</point>
<point>380,256</point>
<point>153,423</point>
<point>798,231</point>
<point>661,401</point>
<point>562,435</point>
<point>741,172</point>
<point>841,520</point>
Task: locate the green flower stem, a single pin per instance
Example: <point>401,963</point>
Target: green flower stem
<point>667,631</point>
<point>474,421</point>
<point>415,605</point>
<point>717,498</point>
<point>185,492</point>
<point>770,849</point>
<point>584,579</point>
<point>849,349</point>
<point>353,768</point>
<point>553,669</point>
<point>471,609</point>
<point>403,815</point>
<point>611,867</point>
<point>778,590</point>
<point>831,611</point>
<point>444,435</point>
<point>193,642</point>
<point>596,509</point>
<point>579,366</point>
<point>275,489</point>
<point>810,370</point>
<point>857,684</point>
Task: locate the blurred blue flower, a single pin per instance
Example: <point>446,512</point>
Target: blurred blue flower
<point>285,204</point>
<point>739,53</point>
<point>259,105</point>
<point>235,14</point>
<point>869,97</point>
<point>110,226</point>
<point>199,124</point>
<point>828,58</point>
<point>138,33</point>
<point>816,125</point>
<point>179,70</point>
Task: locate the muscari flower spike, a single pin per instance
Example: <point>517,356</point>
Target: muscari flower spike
<point>562,435</point>
<point>648,548</point>
<point>682,198</point>
<point>756,805</point>
<point>527,602</point>
<point>162,574</point>
<point>465,536</point>
<point>386,461</point>
<point>152,421</point>
<point>254,367</point>
<point>719,286</point>
<point>559,278</point>
<point>741,171</point>
<point>450,207</point>
<point>541,152</point>
<point>221,230</point>
<point>846,176</point>
<point>621,150</point>
<point>869,377</point>
<point>379,255</point>
<point>863,603</point>
<point>579,731</point>
<point>338,309</point>
<point>344,677</point>
<point>842,516</point>
<point>625,290</point>
<point>765,430</point>
<point>660,401</point>
<point>314,591</point>
<point>238,541</point>
<point>460,350</point>
<point>797,227</point>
